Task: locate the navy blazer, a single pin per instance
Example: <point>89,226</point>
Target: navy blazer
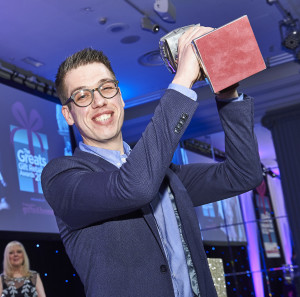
<point>103,212</point>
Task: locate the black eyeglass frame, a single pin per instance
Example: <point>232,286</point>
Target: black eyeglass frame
<point>92,91</point>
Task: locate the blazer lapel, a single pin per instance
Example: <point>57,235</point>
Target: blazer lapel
<point>150,220</point>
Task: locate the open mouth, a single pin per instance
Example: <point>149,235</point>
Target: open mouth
<point>103,118</point>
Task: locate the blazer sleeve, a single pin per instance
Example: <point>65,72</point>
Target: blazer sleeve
<point>240,172</point>
<point>81,197</point>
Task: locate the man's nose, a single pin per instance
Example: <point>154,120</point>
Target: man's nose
<point>99,100</point>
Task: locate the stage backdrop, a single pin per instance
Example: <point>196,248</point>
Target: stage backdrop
<point>32,132</point>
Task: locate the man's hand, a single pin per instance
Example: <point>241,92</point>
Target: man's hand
<point>188,69</point>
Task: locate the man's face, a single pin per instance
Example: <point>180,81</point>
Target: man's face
<point>99,123</point>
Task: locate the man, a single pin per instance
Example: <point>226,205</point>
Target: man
<point>126,216</point>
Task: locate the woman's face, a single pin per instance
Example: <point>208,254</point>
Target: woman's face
<point>16,257</point>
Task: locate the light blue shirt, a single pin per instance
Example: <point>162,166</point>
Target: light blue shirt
<point>163,212</point>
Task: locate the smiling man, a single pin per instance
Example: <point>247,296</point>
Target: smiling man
<point>126,216</point>
<point>97,126</point>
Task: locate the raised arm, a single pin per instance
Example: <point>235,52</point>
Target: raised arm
<point>240,172</point>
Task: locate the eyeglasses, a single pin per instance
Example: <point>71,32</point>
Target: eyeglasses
<point>84,97</point>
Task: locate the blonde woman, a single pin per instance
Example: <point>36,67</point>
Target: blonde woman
<point>17,280</point>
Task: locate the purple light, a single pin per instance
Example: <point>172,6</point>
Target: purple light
<point>280,211</point>
<point>253,248</point>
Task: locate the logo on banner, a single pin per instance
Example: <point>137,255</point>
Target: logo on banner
<point>31,148</point>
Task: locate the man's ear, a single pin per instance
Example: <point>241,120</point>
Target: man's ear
<point>123,103</point>
<point>67,115</point>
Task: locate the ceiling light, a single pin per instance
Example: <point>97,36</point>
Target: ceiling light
<point>87,9</point>
<point>117,27</point>
<point>102,20</point>
<point>147,24</point>
<point>130,39</point>
<point>150,59</point>
<point>292,40</point>
<point>289,28</point>
<point>33,62</point>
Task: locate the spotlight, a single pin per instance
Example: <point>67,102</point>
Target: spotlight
<point>292,40</point>
<point>289,29</point>
<point>102,20</point>
<point>166,10</point>
<point>147,24</point>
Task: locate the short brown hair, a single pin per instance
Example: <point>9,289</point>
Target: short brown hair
<point>83,57</point>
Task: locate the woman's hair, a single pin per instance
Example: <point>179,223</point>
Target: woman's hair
<point>7,267</point>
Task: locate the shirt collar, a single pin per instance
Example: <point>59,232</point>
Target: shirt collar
<point>113,157</point>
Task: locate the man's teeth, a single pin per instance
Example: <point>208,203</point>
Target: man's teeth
<point>103,117</point>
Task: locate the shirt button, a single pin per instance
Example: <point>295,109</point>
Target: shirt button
<point>163,268</point>
<point>184,116</point>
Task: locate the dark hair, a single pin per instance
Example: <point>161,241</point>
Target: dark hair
<point>83,57</point>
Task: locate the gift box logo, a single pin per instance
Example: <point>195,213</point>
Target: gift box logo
<point>31,148</point>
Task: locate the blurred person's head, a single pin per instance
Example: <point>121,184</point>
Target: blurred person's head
<point>15,259</point>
